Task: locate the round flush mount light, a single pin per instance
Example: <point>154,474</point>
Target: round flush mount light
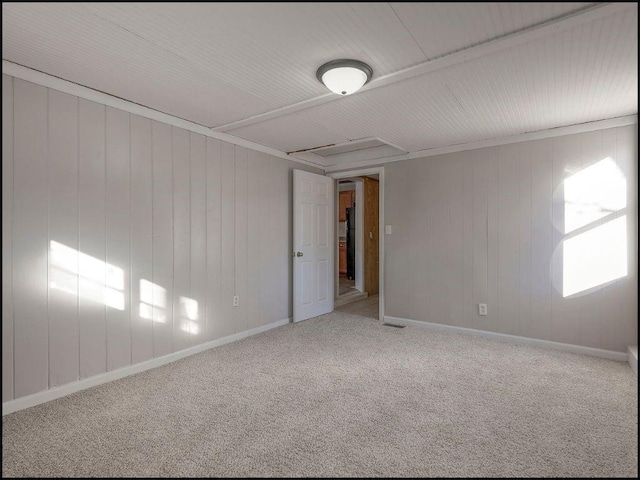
<point>344,76</point>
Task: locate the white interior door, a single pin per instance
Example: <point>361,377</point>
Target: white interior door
<point>313,281</point>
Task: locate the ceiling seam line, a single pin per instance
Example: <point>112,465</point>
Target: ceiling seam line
<point>597,11</point>
<point>409,32</point>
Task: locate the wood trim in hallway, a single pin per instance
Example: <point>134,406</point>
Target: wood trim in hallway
<point>371,222</point>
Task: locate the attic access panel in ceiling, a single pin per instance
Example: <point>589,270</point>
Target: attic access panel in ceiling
<point>356,150</point>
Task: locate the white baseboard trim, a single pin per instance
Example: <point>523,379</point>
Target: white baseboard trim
<point>633,359</point>
<point>565,347</point>
<point>63,390</point>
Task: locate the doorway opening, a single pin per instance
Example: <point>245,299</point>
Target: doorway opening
<point>357,227</point>
<point>348,228</point>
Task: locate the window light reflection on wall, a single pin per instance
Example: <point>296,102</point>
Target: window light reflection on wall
<point>595,250</point>
<point>593,193</point>
<point>189,315</point>
<point>81,274</point>
<point>153,301</point>
<point>595,257</point>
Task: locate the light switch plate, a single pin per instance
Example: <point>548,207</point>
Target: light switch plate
<point>387,229</point>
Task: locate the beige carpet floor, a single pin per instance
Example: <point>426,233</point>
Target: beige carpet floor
<point>342,395</point>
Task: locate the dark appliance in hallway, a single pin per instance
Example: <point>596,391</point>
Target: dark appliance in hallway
<point>351,242</point>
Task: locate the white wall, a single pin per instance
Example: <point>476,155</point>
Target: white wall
<point>199,217</point>
<point>478,227</point>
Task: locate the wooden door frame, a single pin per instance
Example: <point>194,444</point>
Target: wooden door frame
<point>363,173</point>
<point>359,246</point>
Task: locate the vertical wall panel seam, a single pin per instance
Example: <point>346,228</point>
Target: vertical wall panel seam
<point>581,301</point>
<point>247,246</point>
<point>235,232</point>
<point>497,259</point>
<point>78,236</point>
<point>173,249</point>
<point>206,240</point>
<point>48,161</point>
<point>219,224</point>
<point>553,247</point>
<point>465,234</point>
<point>205,289</point>
<point>617,162</point>
<point>486,214</point>
<point>131,310</point>
<point>472,230</point>
<point>522,318</point>
<point>530,172</point>
<point>531,214</point>
<point>153,320</point>
<point>518,325</point>
<point>601,294</point>
<point>189,289</point>
<point>524,327</point>
<point>106,239</point>
<point>449,257</point>
<point>13,232</point>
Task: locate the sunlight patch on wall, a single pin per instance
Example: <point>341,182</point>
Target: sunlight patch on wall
<point>596,252</point>
<point>153,301</point>
<point>189,315</point>
<point>595,257</point>
<point>593,193</point>
<point>77,273</point>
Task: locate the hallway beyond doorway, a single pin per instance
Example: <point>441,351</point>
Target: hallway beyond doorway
<point>346,286</point>
<point>367,307</point>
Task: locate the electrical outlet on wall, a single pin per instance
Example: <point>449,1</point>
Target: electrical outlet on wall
<point>482,309</point>
<point>236,300</point>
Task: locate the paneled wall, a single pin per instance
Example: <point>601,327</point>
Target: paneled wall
<point>125,239</point>
<point>487,226</point>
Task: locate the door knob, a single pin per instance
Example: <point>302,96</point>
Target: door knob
<point>299,254</point>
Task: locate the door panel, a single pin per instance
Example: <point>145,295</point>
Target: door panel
<point>307,269</point>
<point>323,220</point>
<point>307,211</point>
<point>323,280</point>
<point>313,252</point>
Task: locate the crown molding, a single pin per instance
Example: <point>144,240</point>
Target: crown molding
<point>523,137</point>
<point>309,159</point>
<point>51,81</point>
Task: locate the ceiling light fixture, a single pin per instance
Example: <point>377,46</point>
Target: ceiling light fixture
<point>344,76</point>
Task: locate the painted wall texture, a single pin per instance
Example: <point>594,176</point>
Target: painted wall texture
<point>519,227</point>
<point>125,239</point>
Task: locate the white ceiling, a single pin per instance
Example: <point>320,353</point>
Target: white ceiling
<point>444,73</point>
